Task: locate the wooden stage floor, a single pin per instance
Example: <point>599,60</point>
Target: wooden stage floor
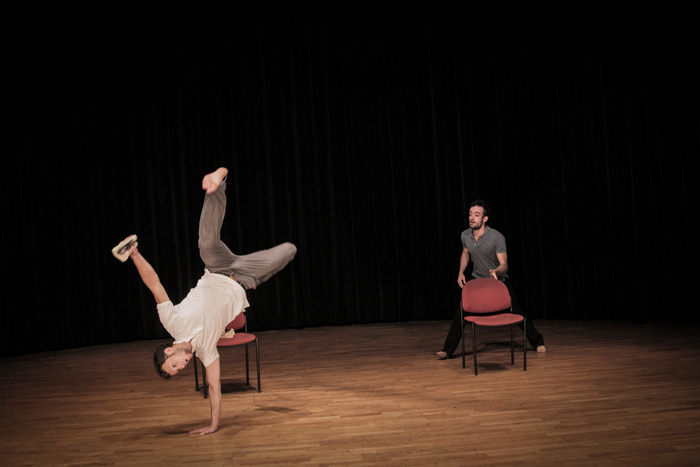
<point>605,394</point>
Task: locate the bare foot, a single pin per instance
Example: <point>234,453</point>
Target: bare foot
<point>541,349</point>
<point>212,181</point>
<point>442,354</point>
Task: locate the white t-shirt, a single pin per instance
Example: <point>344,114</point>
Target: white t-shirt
<point>204,314</point>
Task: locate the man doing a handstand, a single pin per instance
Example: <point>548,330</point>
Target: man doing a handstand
<point>197,322</point>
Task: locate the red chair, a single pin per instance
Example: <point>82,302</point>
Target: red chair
<point>486,302</point>
<point>239,338</point>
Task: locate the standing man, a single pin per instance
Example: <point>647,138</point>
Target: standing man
<point>486,247</point>
<point>197,322</point>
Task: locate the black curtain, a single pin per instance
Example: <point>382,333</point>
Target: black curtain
<point>360,135</point>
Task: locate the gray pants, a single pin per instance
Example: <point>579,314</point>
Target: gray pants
<point>249,270</point>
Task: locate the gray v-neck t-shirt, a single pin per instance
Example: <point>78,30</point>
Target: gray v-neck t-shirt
<point>483,253</point>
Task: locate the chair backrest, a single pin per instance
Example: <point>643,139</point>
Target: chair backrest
<point>238,322</point>
<point>481,296</point>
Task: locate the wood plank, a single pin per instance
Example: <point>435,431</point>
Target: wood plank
<point>605,394</point>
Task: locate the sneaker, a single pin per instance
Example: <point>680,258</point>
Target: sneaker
<point>123,250</point>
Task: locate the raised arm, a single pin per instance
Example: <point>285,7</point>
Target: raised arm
<point>149,276</point>
<point>214,382</point>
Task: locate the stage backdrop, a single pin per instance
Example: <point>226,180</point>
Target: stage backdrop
<point>359,134</point>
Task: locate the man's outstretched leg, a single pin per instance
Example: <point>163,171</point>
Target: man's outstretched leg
<point>454,335</point>
<point>249,270</point>
<point>256,268</point>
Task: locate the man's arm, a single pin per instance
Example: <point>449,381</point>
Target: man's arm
<point>502,267</point>
<point>463,262</point>
<point>214,382</point>
<point>149,276</point>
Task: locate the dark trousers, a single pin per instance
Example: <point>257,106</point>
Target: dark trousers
<point>455,333</point>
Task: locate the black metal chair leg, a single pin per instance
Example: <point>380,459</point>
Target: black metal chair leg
<point>464,364</point>
<point>247,367</point>
<point>524,345</point>
<point>476,370</point>
<point>464,349</point>
<point>257,359</point>
<point>196,377</point>
<point>205,386</point>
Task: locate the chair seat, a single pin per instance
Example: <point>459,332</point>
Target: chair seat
<point>239,338</point>
<point>502,319</point>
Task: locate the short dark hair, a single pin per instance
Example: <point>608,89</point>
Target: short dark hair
<point>159,359</point>
<point>483,204</point>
